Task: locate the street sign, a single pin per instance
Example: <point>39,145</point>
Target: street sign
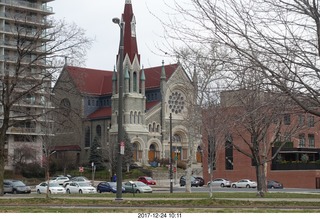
<point>122,147</point>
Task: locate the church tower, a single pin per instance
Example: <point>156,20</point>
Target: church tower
<point>134,100</point>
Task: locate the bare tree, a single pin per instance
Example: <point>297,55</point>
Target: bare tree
<point>32,66</point>
<point>281,37</point>
<point>278,40</point>
<point>214,131</point>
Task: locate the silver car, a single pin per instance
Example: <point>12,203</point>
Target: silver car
<point>219,182</point>
<point>244,183</point>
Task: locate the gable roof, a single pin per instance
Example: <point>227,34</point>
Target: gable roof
<point>91,81</point>
<point>153,75</point>
<point>99,82</point>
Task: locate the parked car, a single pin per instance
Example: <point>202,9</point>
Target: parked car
<point>147,180</point>
<point>201,180</point>
<point>54,188</point>
<point>194,182</point>
<point>15,187</point>
<point>272,184</point>
<point>220,182</point>
<point>80,187</point>
<point>108,187</point>
<point>77,179</point>
<point>244,183</point>
<point>59,179</point>
<point>134,166</point>
<point>137,187</point>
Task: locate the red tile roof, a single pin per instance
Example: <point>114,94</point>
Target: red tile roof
<point>99,82</point>
<point>101,113</point>
<point>149,105</point>
<point>91,81</point>
<point>153,75</point>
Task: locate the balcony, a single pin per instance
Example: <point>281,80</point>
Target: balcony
<point>26,19</point>
<point>27,5</point>
<point>296,166</point>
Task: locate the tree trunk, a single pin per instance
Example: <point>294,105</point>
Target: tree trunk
<point>261,180</point>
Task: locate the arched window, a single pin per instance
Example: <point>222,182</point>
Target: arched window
<point>176,138</point>
<point>98,131</point>
<point>135,117</point>
<point>65,106</point>
<point>150,128</point>
<point>131,115</point>
<point>154,127</point>
<point>135,78</point>
<point>87,137</point>
<point>139,119</point>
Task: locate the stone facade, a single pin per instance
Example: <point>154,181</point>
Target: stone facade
<point>151,95</point>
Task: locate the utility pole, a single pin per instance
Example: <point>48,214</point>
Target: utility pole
<point>170,157</point>
<point>120,152</point>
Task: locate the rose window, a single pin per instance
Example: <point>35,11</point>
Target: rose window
<point>176,102</point>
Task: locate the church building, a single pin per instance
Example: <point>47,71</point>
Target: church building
<point>155,100</point>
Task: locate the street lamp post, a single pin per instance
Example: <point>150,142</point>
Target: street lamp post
<point>120,111</point>
<point>170,157</point>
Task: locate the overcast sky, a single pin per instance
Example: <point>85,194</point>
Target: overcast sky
<point>95,16</point>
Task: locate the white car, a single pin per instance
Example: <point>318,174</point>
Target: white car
<point>219,182</point>
<point>77,179</point>
<point>244,183</point>
<point>54,188</point>
<point>80,187</point>
<point>59,179</point>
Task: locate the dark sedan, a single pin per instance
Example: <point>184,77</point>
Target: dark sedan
<point>272,184</point>
<point>201,180</point>
<point>194,182</point>
<point>108,187</point>
<point>15,187</point>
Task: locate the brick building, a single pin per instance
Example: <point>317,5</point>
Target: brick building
<point>297,164</point>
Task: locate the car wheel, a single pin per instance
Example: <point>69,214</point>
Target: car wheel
<point>50,192</point>
<point>14,191</point>
<point>99,191</point>
<point>38,191</point>
<point>80,191</point>
<point>221,185</point>
<point>234,186</point>
<point>68,191</point>
<point>272,187</point>
<point>138,191</point>
<point>248,186</point>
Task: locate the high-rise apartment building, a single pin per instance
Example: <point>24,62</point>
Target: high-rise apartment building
<point>23,70</point>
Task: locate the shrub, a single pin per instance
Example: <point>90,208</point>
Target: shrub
<point>32,170</point>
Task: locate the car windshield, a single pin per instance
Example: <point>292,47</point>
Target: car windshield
<point>18,183</point>
<point>54,185</point>
<point>80,179</point>
<point>148,178</point>
<point>83,184</point>
<point>113,184</point>
<point>140,184</point>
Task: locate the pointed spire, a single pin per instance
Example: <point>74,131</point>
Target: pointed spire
<point>143,77</point>
<point>130,41</point>
<point>114,75</point>
<point>163,72</point>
